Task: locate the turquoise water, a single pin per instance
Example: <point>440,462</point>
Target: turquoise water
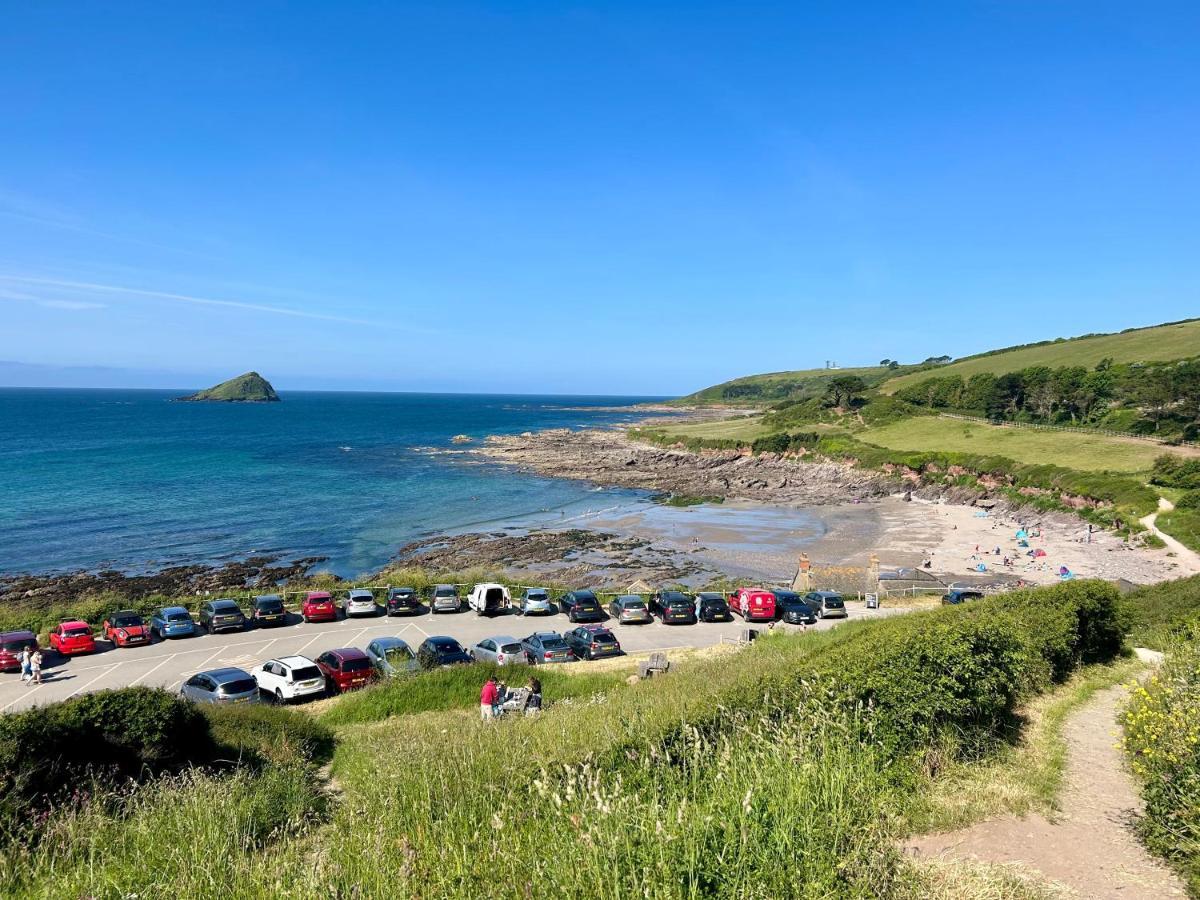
<point>128,480</point>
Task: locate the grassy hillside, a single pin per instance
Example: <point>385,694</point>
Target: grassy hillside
<point>248,388</point>
<point>758,390</point>
<point>1153,344</point>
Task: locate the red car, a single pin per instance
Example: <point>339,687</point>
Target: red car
<point>753,604</point>
<point>318,606</point>
<point>72,638</point>
<point>346,669</point>
<point>125,629</point>
<point>11,645</point>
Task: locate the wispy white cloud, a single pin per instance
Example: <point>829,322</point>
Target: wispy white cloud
<point>70,304</point>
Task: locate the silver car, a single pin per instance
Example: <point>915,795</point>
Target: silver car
<point>503,650</point>
<point>445,599</point>
<point>221,686</point>
<point>391,656</point>
<point>535,601</point>
<point>361,602</point>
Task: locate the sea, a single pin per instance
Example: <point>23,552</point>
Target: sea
<point>128,480</point>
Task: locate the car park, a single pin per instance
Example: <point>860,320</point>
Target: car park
<point>592,642</point>
<point>125,628</point>
<point>673,607</point>
<point>630,609</point>
<point>267,611</point>
<point>955,596</point>
<point>391,656</point>
<point>534,601</point>
<point>502,650</point>
<point>172,622</point>
<point>711,606</point>
<point>581,606</point>
<point>445,599</point>
<point>227,685</point>
<point>318,606</point>
<point>439,650</point>
<point>11,645</point>
<point>221,615</point>
<point>753,604</point>
<point>289,678</point>
<point>402,601</point>
<point>360,602</point>
<point>345,669</point>
<point>827,604</point>
<point>72,638</point>
<point>792,607</point>
<point>543,647</point>
<point>489,599</point>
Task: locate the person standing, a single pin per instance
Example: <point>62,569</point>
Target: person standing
<point>487,699</point>
<point>35,665</point>
<point>26,666</point>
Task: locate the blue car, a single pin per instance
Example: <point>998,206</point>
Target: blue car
<point>172,622</point>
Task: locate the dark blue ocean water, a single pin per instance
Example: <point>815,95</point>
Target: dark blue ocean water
<point>127,479</point>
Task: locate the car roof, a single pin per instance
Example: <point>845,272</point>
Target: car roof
<point>828,593</point>
<point>593,629</point>
<point>224,601</point>
<point>637,597</point>
<point>293,662</point>
<point>711,595</point>
<point>123,612</point>
<point>74,623</point>
<point>348,653</point>
<point>318,595</point>
<point>530,590</point>
<point>174,609</point>
<point>583,592</point>
<point>489,585</point>
<point>500,639</point>
<point>440,639</point>
<point>389,641</point>
<point>16,635</point>
<point>268,597</point>
<point>402,590</point>
<point>439,587</point>
<point>229,673</point>
<point>544,634</point>
<point>361,592</point>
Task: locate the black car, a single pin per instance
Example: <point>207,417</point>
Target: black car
<point>402,601</point>
<point>956,596</point>
<point>221,615</point>
<point>543,647</point>
<point>711,606</point>
<point>581,606</point>
<point>673,607</point>
<point>440,650</point>
<point>267,611</point>
<point>592,642</point>
<point>792,608</point>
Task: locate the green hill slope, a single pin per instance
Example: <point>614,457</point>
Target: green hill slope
<point>248,388</point>
<point>755,390</point>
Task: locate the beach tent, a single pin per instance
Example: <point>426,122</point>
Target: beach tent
<point>1064,573</point>
<point>1039,552</point>
<point>1022,543</point>
<point>1022,533</point>
<point>981,568</point>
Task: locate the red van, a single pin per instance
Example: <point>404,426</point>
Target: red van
<point>346,669</point>
<point>753,604</point>
<point>318,606</point>
<point>72,638</point>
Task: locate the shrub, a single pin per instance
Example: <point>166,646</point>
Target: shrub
<point>1175,471</point>
<point>257,734</point>
<point>1161,613</point>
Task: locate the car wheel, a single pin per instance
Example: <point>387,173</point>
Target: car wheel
<point>279,696</point>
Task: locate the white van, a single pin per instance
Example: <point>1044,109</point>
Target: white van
<point>489,598</point>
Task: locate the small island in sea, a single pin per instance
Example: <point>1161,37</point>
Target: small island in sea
<point>248,388</point>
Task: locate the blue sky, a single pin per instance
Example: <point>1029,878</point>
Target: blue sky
<point>562,197</point>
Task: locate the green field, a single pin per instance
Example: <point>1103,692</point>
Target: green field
<point>755,390</point>
<point>1161,342</point>
<point>741,429</point>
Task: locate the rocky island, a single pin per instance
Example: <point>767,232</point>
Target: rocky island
<point>248,388</point>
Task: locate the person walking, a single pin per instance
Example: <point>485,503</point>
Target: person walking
<point>534,705</point>
<point>35,665</point>
<point>487,699</point>
<point>26,666</point>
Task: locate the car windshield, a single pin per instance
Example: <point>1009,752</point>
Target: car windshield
<point>304,673</point>
<point>76,632</point>
<point>126,621</point>
<point>16,646</point>
<point>536,595</point>
<point>402,595</point>
<point>678,602</point>
<point>320,599</point>
<point>603,638</point>
<point>443,650</point>
<point>273,605</point>
<point>355,665</point>
<point>554,643</point>
<point>239,686</point>
<point>834,602</point>
<point>398,654</point>
<point>510,648</point>
<point>635,604</point>
<point>178,617</point>
<point>445,592</point>
<point>225,607</point>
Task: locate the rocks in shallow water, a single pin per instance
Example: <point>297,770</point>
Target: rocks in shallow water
<point>461,439</point>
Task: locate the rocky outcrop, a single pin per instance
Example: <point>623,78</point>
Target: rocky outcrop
<point>248,388</point>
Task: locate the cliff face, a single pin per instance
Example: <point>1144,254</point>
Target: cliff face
<point>248,388</point>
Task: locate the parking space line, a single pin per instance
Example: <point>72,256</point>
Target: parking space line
<point>84,687</point>
<point>5,707</point>
<point>200,668</point>
<point>300,652</point>
<point>165,660</point>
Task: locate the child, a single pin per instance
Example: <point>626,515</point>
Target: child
<point>26,670</point>
<point>35,666</point>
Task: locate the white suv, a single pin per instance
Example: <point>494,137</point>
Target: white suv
<point>361,602</point>
<point>289,678</point>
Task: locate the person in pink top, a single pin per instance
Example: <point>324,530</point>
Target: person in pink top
<point>487,699</point>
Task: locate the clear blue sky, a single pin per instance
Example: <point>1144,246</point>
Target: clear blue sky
<point>564,197</point>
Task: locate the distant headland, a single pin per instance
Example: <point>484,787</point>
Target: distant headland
<point>248,388</point>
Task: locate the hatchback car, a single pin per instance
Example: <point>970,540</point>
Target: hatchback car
<point>172,622</point>
<point>534,601</point>
<point>391,656</point>
<point>72,638</point>
<point>221,686</point>
<point>11,645</point>
<point>402,601</point>
<point>502,650</point>
<point>445,599</point>
<point>346,669</point>
<point>581,606</point>
<point>361,602</point>
<point>955,596</point>
<point>630,609</point>
<point>318,606</point>
<point>125,628</point>
<point>267,611</point>
<point>592,642</point>
<point>547,647</point>
<point>440,650</point>
<point>673,607</point>
<point>289,678</point>
<point>826,604</point>
<point>221,615</point>
<point>792,608</point>
<point>711,606</point>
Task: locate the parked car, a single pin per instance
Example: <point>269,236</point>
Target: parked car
<point>489,599</point>
<point>955,596</point>
<point>673,607</point>
<point>793,608</point>
<point>581,606</point>
<point>221,615</point>
<point>629,609</point>
<point>360,602</point>
<point>440,650</point>
<point>125,628</point>
<point>534,601</point>
<point>445,599</point>
<point>402,601</point>
<point>592,642</point>
<point>345,669</point>
<point>391,656</point>
<point>267,611</point>
<point>503,650</point>
<point>711,606</point>
<point>547,647</point>
<point>289,678</point>
<point>72,638</point>
<point>172,622</point>
<point>221,686</point>
<point>11,645</point>
<point>826,604</point>
<point>318,606</point>
<point>753,604</point>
